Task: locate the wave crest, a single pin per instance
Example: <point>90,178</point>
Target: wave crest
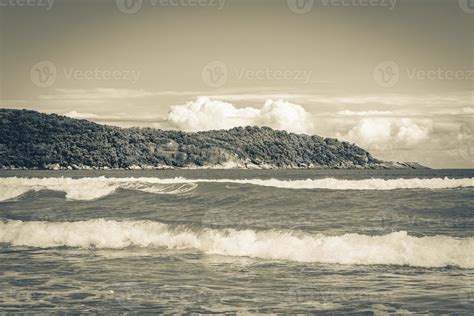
<point>93,188</point>
<point>88,188</point>
<point>365,184</point>
<point>396,248</point>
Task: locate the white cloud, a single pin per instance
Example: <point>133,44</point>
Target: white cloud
<point>411,133</point>
<point>79,115</point>
<point>206,114</point>
<point>403,132</point>
<point>284,115</point>
<point>420,102</point>
<point>369,131</point>
<point>467,110</point>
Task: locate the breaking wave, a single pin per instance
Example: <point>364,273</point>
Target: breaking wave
<point>93,188</point>
<point>342,184</point>
<point>393,249</point>
<point>88,188</point>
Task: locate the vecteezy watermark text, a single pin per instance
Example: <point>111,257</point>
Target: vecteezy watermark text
<point>216,74</point>
<point>387,74</point>
<point>439,74</point>
<point>48,4</point>
<point>45,73</point>
<point>304,6</point>
<point>390,4</point>
<point>133,6</point>
<point>100,74</point>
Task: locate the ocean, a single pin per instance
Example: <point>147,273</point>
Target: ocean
<point>374,242</point>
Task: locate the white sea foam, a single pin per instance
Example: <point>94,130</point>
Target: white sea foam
<point>89,188</point>
<point>396,248</point>
<point>93,188</point>
<point>366,184</point>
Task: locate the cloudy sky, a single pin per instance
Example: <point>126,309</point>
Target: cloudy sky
<point>395,77</point>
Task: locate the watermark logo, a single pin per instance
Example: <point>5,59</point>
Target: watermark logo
<point>43,74</point>
<point>215,74</point>
<point>387,221</point>
<point>390,221</point>
<point>304,6</point>
<point>48,4</point>
<point>129,6</point>
<point>390,4</point>
<point>440,74</point>
<point>133,6</point>
<point>386,74</point>
<point>48,214</point>
<point>300,6</point>
<point>226,221</point>
<point>129,296</point>
<point>22,296</point>
<point>325,299</point>
<point>467,6</point>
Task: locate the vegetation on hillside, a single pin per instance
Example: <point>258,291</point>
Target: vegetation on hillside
<point>31,139</point>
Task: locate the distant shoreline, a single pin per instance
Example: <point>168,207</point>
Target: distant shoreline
<point>37,141</point>
<point>394,166</point>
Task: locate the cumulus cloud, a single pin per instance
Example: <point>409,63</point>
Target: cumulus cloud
<point>207,114</point>
<point>403,132</point>
<point>369,131</point>
<point>284,115</point>
<point>411,133</point>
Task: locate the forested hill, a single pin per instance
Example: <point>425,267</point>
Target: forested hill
<point>31,139</point>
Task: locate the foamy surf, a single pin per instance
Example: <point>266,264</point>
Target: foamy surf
<point>88,188</point>
<point>393,249</point>
<point>93,188</point>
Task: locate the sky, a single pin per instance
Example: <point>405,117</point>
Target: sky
<point>396,77</point>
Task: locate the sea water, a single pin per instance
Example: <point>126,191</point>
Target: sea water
<point>237,241</point>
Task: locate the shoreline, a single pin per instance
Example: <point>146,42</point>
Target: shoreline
<point>382,166</point>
